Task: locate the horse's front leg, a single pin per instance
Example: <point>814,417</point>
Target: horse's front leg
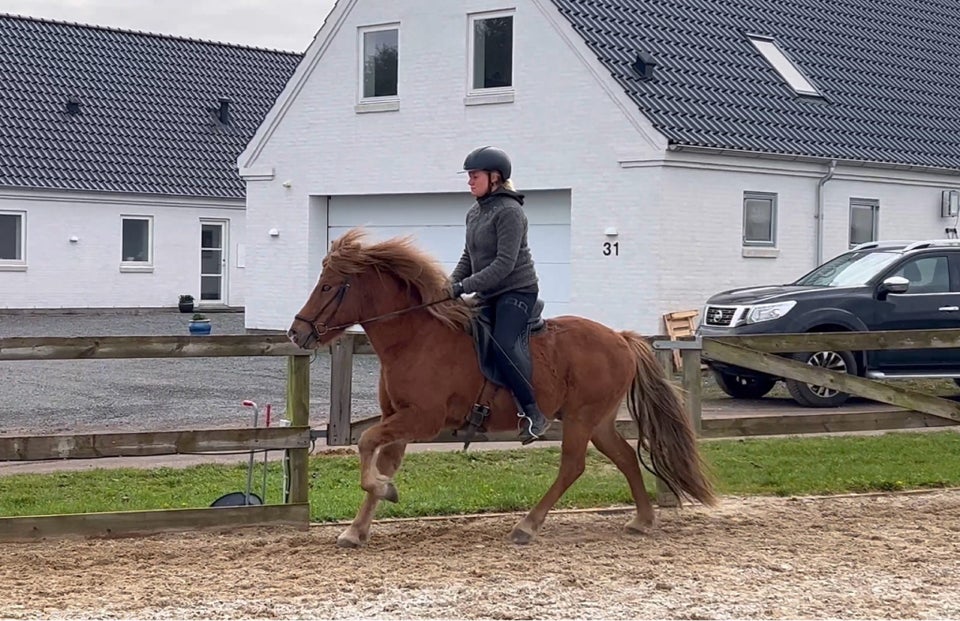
<point>405,425</point>
<point>388,462</point>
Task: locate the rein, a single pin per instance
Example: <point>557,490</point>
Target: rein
<point>319,331</point>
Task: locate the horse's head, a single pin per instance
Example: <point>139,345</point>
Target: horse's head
<point>366,283</point>
<point>334,304</point>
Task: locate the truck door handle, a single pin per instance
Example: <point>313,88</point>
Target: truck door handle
<point>949,309</point>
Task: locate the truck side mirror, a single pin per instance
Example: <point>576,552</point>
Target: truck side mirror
<point>894,284</point>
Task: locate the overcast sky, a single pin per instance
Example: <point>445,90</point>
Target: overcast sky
<point>276,24</point>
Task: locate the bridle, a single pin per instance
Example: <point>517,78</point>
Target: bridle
<point>320,328</point>
<point>319,331</point>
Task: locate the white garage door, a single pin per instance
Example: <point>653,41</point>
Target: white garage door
<point>437,223</point>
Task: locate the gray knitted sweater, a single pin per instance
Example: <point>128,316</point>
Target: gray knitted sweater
<point>496,257</point>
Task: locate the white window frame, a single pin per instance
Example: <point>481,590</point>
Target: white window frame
<point>20,264</point>
<point>864,203</point>
<point>137,266</point>
<point>498,94</point>
<point>754,195</point>
<point>384,103</point>
<point>784,65</point>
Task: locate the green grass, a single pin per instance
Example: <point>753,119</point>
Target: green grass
<point>445,483</point>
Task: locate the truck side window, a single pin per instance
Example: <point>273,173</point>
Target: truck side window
<point>926,275</point>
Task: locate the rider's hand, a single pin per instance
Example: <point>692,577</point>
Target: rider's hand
<point>456,290</point>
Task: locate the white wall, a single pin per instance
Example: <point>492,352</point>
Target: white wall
<point>567,128</point>
<point>86,274</point>
<point>701,244</point>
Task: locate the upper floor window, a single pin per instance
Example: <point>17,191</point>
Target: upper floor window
<point>12,239</point>
<point>864,221</point>
<point>136,242</point>
<point>759,219</point>
<point>491,51</point>
<point>784,66</point>
<point>379,61</point>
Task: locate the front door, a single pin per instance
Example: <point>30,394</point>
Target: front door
<point>213,262</point>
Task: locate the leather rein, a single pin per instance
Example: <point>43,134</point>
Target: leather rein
<point>320,328</point>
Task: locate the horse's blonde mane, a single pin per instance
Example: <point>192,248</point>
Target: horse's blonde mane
<point>400,257</point>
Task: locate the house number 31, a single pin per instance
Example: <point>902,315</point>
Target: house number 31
<point>611,249</point>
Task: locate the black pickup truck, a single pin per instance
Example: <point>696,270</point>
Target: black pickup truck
<point>893,285</point>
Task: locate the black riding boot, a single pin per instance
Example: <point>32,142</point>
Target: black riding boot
<point>533,424</point>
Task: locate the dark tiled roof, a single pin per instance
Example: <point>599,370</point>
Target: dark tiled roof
<point>145,124</point>
<point>888,68</point>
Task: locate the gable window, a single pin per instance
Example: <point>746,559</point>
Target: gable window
<point>864,220</point>
<point>491,51</point>
<point>787,69</point>
<point>379,63</point>
<point>12,240</point>
<point>136,243</point>
<point>759,219</point>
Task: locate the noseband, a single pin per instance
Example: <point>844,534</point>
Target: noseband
<point>320,328</point>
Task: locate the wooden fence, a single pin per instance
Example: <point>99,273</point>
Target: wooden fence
<point>296,438</point>
<point>755,352</point>
<point>760,353</point>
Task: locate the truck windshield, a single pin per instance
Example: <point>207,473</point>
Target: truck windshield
<point>849,270</point>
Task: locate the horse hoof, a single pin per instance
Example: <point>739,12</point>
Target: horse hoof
<point>638,526</point>
<point>520,536</point>
<point>351,538</point>
<point>390,493</point>
<point>348,541</point>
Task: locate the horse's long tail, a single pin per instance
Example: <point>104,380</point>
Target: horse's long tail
<point>665,430</point>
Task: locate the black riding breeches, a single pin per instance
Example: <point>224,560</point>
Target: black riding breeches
<point>508,314</point>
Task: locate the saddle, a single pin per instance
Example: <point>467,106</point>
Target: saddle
<point>485,347</point>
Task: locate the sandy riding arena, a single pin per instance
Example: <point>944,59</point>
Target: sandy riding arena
<point>885,556</point>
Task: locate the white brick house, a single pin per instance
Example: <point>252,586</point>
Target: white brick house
<point>657,172</point>
<point>118,185</point>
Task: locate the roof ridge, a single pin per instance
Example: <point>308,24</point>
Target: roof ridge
<point>145,33</point>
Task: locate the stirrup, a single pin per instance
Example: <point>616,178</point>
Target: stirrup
<point>526,429</point>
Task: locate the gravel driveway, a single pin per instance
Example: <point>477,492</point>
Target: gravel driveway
<point>58,396</point>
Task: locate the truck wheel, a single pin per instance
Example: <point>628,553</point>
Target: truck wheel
<point>813,396</point>
<point>740,387</point>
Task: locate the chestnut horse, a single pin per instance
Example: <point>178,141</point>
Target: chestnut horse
<point>430,379</point>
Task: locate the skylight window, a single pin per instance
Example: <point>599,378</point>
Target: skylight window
<point>784,66</point>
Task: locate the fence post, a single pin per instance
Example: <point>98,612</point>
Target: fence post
<point>692,385</point>
<point>341,389</point>
<point>665,498</point>
<point>298,409</point>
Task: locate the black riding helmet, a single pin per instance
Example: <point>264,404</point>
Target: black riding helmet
<point>489,158</point>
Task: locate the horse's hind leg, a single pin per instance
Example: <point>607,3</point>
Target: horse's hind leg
<point>573,451</point>
<point>388,462</point>
<point>609,442</point>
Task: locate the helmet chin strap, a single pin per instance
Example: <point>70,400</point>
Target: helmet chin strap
<point>491,188</point>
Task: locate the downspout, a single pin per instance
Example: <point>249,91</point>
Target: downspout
<point>818,216</point>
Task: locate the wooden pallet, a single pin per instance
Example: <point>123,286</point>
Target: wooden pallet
<point>678,324</point>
